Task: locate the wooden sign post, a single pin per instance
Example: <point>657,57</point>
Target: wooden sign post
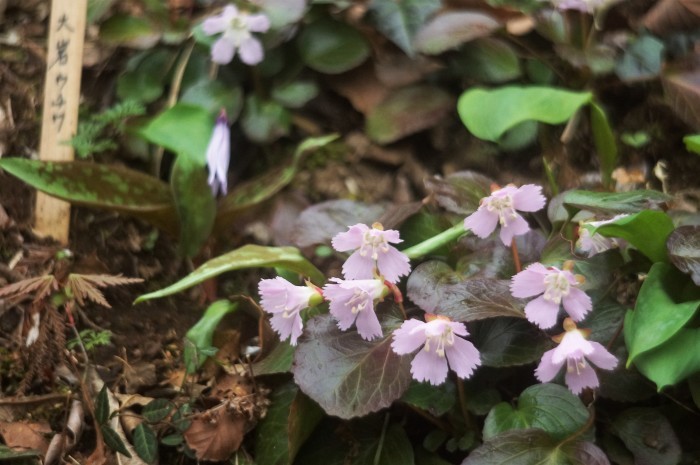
<point>64,65</point>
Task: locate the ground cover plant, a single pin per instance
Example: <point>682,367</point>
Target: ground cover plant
<point>377,232</point>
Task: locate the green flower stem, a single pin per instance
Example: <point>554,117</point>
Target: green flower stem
<point>435,242</point>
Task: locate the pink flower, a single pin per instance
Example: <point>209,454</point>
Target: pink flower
<point>500,208</point>
<point>440,348</point>
<point>236,27</point>
<point>353,302</point>
<point>218,155</point>
<point>372,252</point>
<point>578,354</point>
<point>592,244</point>
<point>557,287</point>
<point>285,301</point>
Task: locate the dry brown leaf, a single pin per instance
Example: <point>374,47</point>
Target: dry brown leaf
<point>41,284</point>
<point>361,86</point>
<point>26,435</point>
<point>215,434</point>
<point>683,95</point>
<point>85,286</point>
<point>670,16</point>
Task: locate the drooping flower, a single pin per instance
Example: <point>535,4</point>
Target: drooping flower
<point>218,155</point>
<point>372,252</point>
<point>578,354</point>
<point>558,287</point>
<point>440,347</point>
<point>592,244</point>
<point>285,301</point>
<point>237,28</point>
<point>502,207</point>
<point>352,302</point>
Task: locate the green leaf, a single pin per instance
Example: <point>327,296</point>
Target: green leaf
<point>100,186</point>
<point>648,435</point>
<point>437,400</point>
<point>213,96</point>
<point>488,60</point>
<point>642,59</point>
<point>611,203</point>
<point>265,121</point>
<point>673,361</point>
<point>289,422</point>
<point>184,129</point>
<point>400,20</point>
<point>406,111</point>
<point>604,142</point>
<point>255,191</point>
<point>660,313</point>
<point>157,410</point>
<point>172,440</point>
<point>684,250</point>
<point>15,456</point>
<point>248,256</point>
<point>504,342</point>
<point>201,335</point>
<point>283,12</point>
<point>488,114</point>
<point>102,406</point>
<point>113,441</point>
<point>346,375</point>
<point>279,360</point>
<point>196,206</point>
<point>295,94</point>
<point>646,230</point>
<point>332,47</point>
<point>549,407</point>
<point>145,75</point>
<point>130,31</point>
<point>145,443</point>
<point>436,288</point>
<point>451,29</point>
<point>692,143</point>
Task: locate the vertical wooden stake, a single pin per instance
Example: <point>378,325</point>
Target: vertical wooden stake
<point>64,65</point>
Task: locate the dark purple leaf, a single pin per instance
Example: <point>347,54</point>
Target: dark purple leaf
<point>649,436</point>
<point>318,224</point>
<point>505,342</point>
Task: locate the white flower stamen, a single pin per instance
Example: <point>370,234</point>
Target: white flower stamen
<point>557,286</point>
<point>504,207</point>
<point>442,341</point>
<point>373,244</point>
<point>358,301</point>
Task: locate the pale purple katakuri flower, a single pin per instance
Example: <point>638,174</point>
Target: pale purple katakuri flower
<point>440,347</point>
<point>236,28</point>
<point>586,6</point>
<point>352,302</point>
<point>578,354</point>
<point>500,208</point>
<point>557,287</point>
<point>285,301</point>
<point>218,155</point>
<point>372,252</point>
<point>592,244</point>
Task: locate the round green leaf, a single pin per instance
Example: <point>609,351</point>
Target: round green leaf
<point>400,20</point>
<point>213,96</point>
<point>265,121</point>
<point>295,94</point>
<point>646,230</point>
<point>437,400</point>
<point>489,60</point>
<point>332,47</point>
<point>673,361</point>
<point>130,31</point>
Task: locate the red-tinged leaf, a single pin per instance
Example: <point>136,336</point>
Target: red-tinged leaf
<point>684,250</point>
<point>319,223</point>
<point>85,286</point>
<point>671,16</point>
<point>346,375</point>
<point>683,95</point>
<point>41,284</point>
<point>451,29</point>
<point>216,434</point>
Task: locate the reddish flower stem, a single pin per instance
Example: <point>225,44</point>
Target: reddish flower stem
<point>516,257</point>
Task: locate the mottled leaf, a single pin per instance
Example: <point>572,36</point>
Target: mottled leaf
<point>346,375</point>
<point>609,203</point>
<point>400,20</point>
<point>113,440</point>
<point>406,111</point>
<point>451,29</point>
<point>157,410</point>
<point>504,342</point>
<point>332,47</point>
<point>684,250</point>
<point>642,59</point>
<point>549,407</point>
<point>460,192</point>
<point>290,420</point>
<point>488,114</point>
<point>648,435</point>
<point>100,186</point>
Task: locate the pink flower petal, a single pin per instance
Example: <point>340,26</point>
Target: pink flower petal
<point>482,222</point>
<point>358,267</point>
<point>515,227</point>
<point>463,357</point>
<point>529,282</point>
<point>368,326</point>
<point>221,22</point>
<point>547,369</point>
<point>572,346</point>
<point>258,23</point>
<point>391,236</point>
<point>429,366</point>
<point>581,378</point>
<point>351,239</point>
<point>601,358</point>
<point>218,155</point>
<point>222,51</point>
<point>542,312</point>
<point>529,198</point>
<point>408,337</point>
<point>287,327</point>
<point>251,51</point>
<point>392,265</point>
<point>577,304</point>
